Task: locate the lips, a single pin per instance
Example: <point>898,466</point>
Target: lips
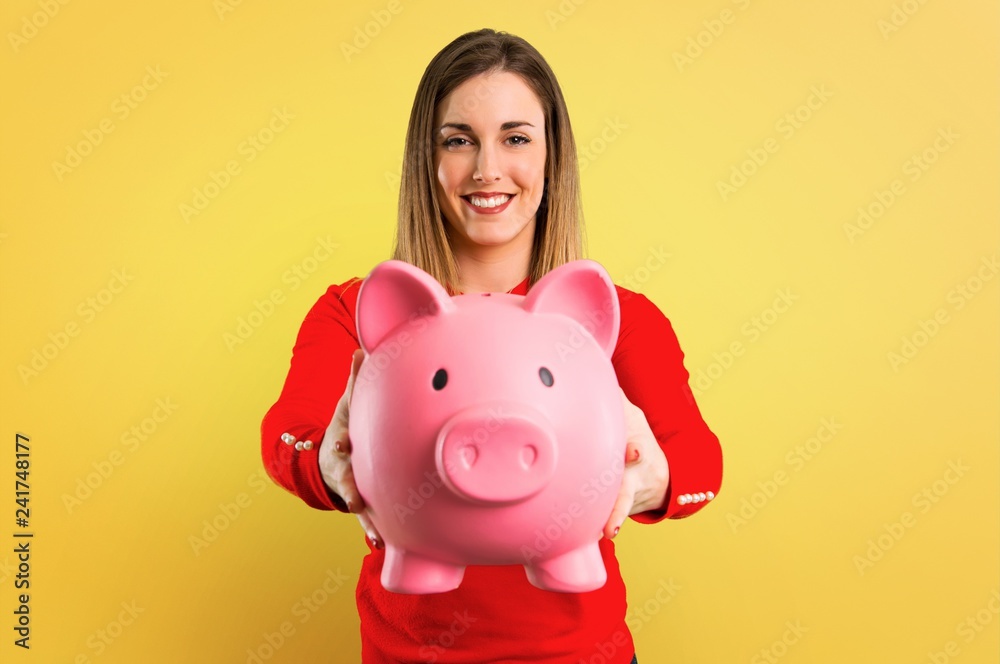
<point>488,202</point>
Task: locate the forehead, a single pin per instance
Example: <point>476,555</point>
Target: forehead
<point>491,99</point>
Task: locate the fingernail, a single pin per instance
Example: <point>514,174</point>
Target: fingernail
<point>617,528</point>
<point>635,454</point>
<point>350,505</point>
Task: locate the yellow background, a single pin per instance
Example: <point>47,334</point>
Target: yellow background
<point>650,184</point>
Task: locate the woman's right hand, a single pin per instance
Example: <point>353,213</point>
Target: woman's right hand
<point>335,458</point>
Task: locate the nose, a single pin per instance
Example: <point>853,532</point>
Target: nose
<point>487,165</point>
<point>496,454</point>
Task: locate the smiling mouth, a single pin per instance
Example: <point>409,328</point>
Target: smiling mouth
<point>495,201</point>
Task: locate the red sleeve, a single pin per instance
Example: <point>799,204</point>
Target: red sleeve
<point>317,377</point>
<point>650,367</point>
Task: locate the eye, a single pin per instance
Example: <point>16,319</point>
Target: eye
<point>440,379</point>
<point>546,377</point>
<point>519,140</point>
<point>455,142</point>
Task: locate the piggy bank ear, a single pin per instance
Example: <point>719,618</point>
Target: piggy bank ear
<point>396,292</point>
<point>582,290</point>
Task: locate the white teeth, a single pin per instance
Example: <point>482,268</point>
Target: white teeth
<point>489,202</point>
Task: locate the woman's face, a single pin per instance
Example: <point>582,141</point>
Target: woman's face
<point>489,154</point>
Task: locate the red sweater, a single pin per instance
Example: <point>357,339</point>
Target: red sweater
<point>495,616</point>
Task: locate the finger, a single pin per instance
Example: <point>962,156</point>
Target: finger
<point>356,359</point>
<point>370,530</point>
<point>633,417</point>
<point>343,445</point>
<point>355,503</point>
<point>631,454</point>
<point>340,424</point>
<point>623,505</point>
<point>348,490</point>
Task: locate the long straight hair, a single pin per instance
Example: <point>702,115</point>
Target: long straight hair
<point>421,232</point>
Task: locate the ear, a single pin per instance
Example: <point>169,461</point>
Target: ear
<point>394,293</point>
<point>582,290</point>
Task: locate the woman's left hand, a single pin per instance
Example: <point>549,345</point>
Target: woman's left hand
<point>646,476</point>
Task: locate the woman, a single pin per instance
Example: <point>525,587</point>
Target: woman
<point>489,202</point>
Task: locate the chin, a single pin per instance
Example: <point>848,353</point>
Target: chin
<point>490,231</point>
<point>491,237</point>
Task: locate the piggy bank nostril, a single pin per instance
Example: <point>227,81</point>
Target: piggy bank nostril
<point>468,455</point>
<point>528,455</point>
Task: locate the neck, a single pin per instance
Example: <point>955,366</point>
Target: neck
<point>492,269</point>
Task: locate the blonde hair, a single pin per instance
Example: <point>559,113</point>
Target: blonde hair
<point>421,233</point>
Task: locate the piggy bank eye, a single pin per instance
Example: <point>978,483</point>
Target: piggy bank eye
<point>440,379</point>
<point>546,376</point>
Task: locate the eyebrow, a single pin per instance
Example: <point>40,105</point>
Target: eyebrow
<point>513,124</point>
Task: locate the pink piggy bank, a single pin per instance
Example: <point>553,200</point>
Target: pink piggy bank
<point>488,429</point>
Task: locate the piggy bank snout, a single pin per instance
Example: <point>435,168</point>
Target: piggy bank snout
<point>497,454</point>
